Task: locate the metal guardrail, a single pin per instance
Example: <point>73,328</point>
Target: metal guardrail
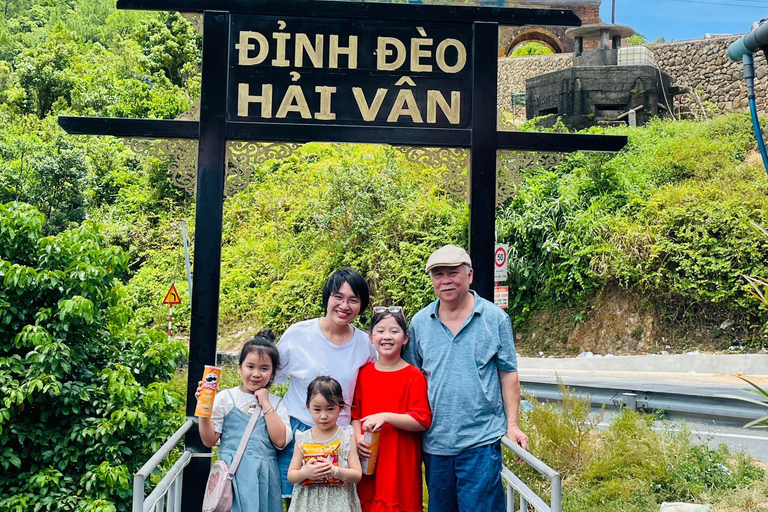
<point>166,496</point>
<point>675,405</point>
<point>528,497</point>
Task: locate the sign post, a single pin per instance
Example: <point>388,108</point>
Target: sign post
<point>500,261</point>
<point>171,299</point>
<point>327,71</point>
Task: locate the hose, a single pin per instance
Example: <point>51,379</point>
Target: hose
<point>749,76</point>
<point>742,49</point>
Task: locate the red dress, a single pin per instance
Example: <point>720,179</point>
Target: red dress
<point>396,483</point>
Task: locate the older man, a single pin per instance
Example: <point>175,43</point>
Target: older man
<point>465,347</point>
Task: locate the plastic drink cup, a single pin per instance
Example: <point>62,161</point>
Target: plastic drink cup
<point>211,377</point>
<point>369,464</point>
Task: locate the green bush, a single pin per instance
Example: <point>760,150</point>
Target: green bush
<point>632,465</point>
<point>669,215</point>
<point>82,404</point>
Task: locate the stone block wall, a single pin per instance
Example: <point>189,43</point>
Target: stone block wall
<point>701,65</point>
<point>513,72</point>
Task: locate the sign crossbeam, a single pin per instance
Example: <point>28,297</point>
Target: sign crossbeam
<point>299,133</point>
<point>366,10</point>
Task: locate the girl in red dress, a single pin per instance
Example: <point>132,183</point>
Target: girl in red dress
<point>391,397</point>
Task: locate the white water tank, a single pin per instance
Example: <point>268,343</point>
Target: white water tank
<point>635,56</point>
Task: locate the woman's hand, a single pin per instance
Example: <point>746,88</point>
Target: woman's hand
<point>318,469</point>
<point>363,448</point>
<point>374,422</point>
<point>198,390</point>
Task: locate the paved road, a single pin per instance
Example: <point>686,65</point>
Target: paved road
<point>626,376</point>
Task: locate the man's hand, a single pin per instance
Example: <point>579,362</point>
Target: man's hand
<point>517,436</point>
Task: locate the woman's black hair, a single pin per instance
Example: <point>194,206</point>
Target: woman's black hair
<point>353,279</point>
<point>399,318</point>
<point>328,387</point>
<point>263,344</point>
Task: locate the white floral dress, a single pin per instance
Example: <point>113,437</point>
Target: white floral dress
<point>327,499</point>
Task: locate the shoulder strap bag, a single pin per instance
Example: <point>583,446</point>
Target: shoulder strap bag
<point>218,490</point>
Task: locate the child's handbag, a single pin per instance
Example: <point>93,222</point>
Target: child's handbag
<point>218,490</point>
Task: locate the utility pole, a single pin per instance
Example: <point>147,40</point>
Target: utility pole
<point>613,11</point>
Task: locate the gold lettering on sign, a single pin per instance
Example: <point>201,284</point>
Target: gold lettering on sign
<point>417,54</point>
<point>335,50</point>
<point>452,112</point>
<point>325,113</point>
<point>405,105</point>
<point>461,59</point>
<point>294,101</point>
<point>244,46</point>
<point>369,112</point>
<point>382,52</point>
<point>281,38</point>
<point>244,99</point>
<point>304,45</point>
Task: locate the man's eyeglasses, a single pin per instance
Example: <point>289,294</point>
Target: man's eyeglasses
<point>392,309</point>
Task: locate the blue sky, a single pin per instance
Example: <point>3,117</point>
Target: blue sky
<point>686,19</point>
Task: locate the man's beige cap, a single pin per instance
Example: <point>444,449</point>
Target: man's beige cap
<point>448,256</point>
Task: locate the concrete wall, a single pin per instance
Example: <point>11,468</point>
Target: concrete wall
<point>700,64</point>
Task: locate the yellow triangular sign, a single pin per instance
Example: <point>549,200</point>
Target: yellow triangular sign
<point>172,297</point>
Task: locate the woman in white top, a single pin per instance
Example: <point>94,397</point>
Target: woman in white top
<point>329,345</point>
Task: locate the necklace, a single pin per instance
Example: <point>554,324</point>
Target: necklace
<point>383,368</point>
<point>328,333</point>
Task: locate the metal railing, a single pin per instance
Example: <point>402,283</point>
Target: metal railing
<point>528,497</point>
<point>676,406</point>
<point>166,496</point>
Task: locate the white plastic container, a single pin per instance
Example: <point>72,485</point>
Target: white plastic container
<point>635,56</point>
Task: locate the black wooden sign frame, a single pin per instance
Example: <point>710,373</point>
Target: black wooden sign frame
<point>475,127</point>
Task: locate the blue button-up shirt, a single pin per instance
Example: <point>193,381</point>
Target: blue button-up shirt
<point>462,375</point>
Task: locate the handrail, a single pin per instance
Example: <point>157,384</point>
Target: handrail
<point>159,492</point>
<point>142,474</point>
<point>527,495</point>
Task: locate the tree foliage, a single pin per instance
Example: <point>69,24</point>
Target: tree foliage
<point>82,402</point>
<point>325,207</point>
<point>531,48</point>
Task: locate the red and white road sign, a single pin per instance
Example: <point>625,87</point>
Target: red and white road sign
<point>500,262</point>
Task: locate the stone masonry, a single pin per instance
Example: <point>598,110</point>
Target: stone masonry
<point>701,65</point>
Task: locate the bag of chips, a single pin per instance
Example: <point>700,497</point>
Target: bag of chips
<point>314,451</point>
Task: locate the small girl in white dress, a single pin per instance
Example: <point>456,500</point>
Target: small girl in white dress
<point>327,481</point>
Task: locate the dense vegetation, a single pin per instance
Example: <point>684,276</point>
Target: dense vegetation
<point>670,217</point>
<point>83,402</point>
<point>83,405</point>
